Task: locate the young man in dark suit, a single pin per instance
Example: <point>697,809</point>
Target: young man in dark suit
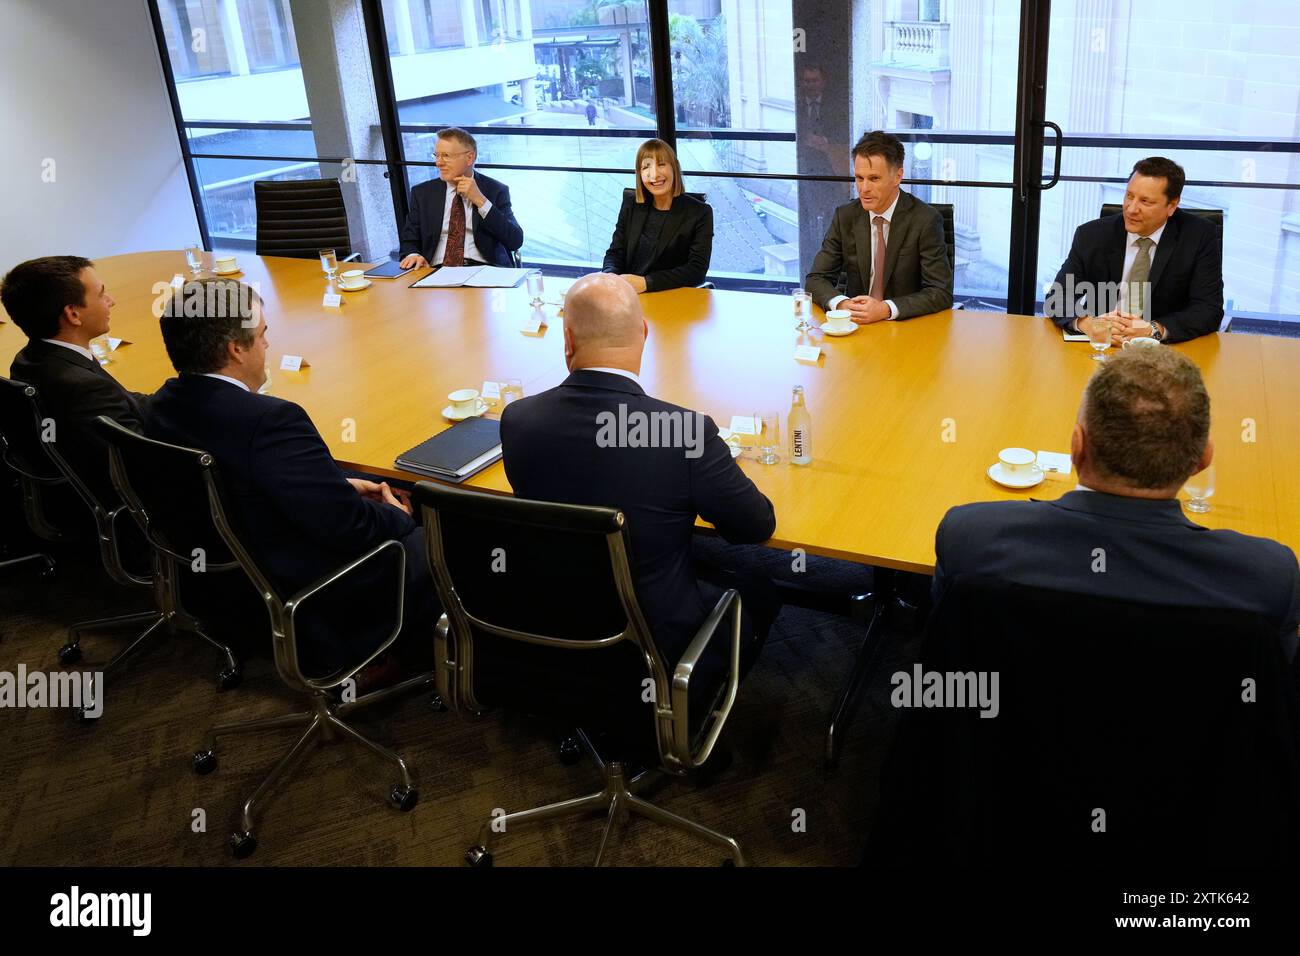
<point>884,256</point>
<point>558,446</point>
<point>297,513</point>
<point>476,228</point>
<point>1150,249</point>
<point>1143,429</point>
<point>61,304</point>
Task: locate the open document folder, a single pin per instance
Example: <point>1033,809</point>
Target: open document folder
<point>474,277</point>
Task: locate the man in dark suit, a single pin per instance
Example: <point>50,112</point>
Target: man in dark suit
<point>61,304</point>
<point>476,228</point>
<point>1142,431</point>
<point>558,446</point>
<point>884,256</point>
<point>298,515</point>
<point>1153,270</point>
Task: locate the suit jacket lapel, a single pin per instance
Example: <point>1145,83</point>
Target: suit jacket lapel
<point>1115,253</point>
<point>897,230</point>
<point>862,239</point>
<point>635,223</point>
<point>1165,249</point>
<point>439,206</point>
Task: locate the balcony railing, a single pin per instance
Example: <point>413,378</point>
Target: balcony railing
<point>917,43</point>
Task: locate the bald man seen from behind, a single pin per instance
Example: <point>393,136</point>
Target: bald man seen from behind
<point>599,439</point>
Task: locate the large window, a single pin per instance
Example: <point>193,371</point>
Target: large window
<point>764,99</point>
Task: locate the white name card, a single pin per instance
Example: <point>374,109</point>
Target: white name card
<point>532,327</point>
<point>114,343</point>
<point>807,353</point>
<point>333,300</point>
<point>743,425</point>
<point>1055,464</point>
<point>491,390</point>
<point>293,363</point>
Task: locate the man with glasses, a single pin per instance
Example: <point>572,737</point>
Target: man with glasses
<point>475,228</point>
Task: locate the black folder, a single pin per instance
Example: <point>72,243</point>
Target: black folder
<point>461,451</point>
<point>387,270</point>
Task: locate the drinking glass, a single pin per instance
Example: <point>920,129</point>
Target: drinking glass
<point>1200,489</point>
<point>802,299</point>
<point>329,263</point>
<point>769,437</point>
<point>266,386</point>
<point>100,350</point>
<point>194,259</point>
<point>535,287</point>
<point>1099,336</point>
<point>511,390</point>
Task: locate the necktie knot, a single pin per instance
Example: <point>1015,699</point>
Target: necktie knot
<point>880,221</point>
<point>1144,243</point>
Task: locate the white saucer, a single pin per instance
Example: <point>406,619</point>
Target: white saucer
<point>356,288</point>
<point>849,331</point>
<point>228,272</point>
<point>455,416</point>
<point>1033,477</point>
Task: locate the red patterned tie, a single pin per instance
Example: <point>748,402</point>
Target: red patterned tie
<point>455,253</point>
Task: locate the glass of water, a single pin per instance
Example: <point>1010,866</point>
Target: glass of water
<point>99,349</point>
<point>769,436</point>
<point>535,288</point>
<point>802,299</point>
<point>1099,336</point>
<point>329,263</point>
<point>512,389</point>
<point>1200,489</point>
<point>194,259</point>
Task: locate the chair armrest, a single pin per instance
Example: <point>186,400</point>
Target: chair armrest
<point>292,606</point>
<point>445,671</point>
<point>729,603</point>
<point>352,258</point>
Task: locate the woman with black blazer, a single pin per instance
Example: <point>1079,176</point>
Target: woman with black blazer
<point>664,238</point>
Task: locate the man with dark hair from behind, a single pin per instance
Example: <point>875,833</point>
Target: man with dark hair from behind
<point>1166,263</point>
<point>885,256</point>
<point>61,304</point>
<point>1143,430</point>
<point>297,513</point>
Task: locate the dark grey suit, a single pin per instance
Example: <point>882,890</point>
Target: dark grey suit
<point>918,277</point>
<point>1149,551</point>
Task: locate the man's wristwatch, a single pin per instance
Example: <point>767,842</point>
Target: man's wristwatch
<point>1158,332</point>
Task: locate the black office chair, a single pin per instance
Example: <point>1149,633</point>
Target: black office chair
<point>630,191</point>
<point>1125,733</point>
<point>949,231</point>
<point>39,465</point>
<point>1213,215</point>
<point>542,616</point>
<point>8,558</point>
<point>175,494</point>
<point>299,217</point>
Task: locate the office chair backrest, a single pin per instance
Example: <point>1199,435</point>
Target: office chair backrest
<point>23,430</point>
<point>298,218</point>
<point>949,231</point>
<point>630,193</point>
<point>1124,732</point>
<point>1213,215</point>
<point>544,594</point>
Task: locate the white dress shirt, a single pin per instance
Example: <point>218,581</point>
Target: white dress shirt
<point>889,218</point>
<point>76,348</point>
<point>612,371</point>
<point>227,378</point>
<point>471,250</point>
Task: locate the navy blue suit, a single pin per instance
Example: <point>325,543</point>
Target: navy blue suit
<point>294,509</point>
<point>1152,554</point>
<point>550,450</point>
<point>496,236</point>
<point>1186,273</point>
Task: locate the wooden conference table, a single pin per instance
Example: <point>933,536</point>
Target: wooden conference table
<point>906,416</point>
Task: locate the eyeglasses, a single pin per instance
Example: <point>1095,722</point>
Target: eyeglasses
<point>441,156</point>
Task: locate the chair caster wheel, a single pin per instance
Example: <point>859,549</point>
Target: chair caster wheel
<point>570,751</point>
<point>404,798</point>
<point>438,705</point>
<point>205,761</point>
<point>229,679</point>
<point>47,573</point>
<point>242,845</point>
<point>478,857</point>
<point>728,862</point>
<point>69,653</point>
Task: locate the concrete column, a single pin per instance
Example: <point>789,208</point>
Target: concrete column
<point>525,19</point>
<point>345,117</point>
<point>469,22</point>
<point>233,31</point>
<point>402,26</point>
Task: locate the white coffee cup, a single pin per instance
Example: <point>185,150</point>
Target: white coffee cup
<point>1141,342</point>
<point>464,401</point>
<point>225,264</point>
<point>1016,461</point>
<point>353,278</point>
<point>838,319</point>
